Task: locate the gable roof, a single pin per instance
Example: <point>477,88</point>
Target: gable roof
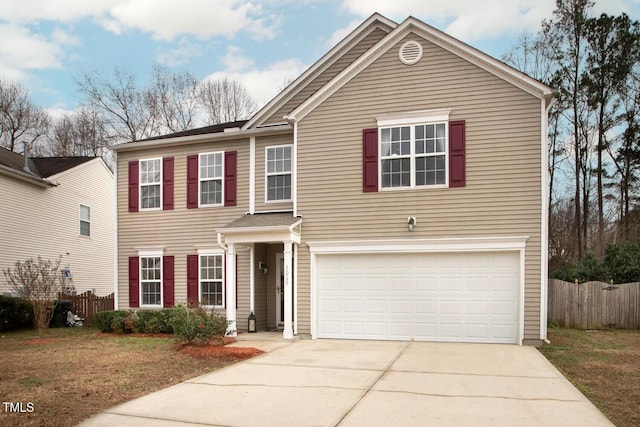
<point>437,37</point>
<point>375,21</point>
<point>39,168</point>
<point>49,166</point>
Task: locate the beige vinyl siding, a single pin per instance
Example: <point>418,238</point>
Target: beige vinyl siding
<point>244,291</point>
<point>180,231</point>
<point>46,222</point>
<point>261,178</point>
<point>503,165</point>
<point>333,70</point>
<point>304,289</point>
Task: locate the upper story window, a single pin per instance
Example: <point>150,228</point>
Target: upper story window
<point>150,183</point>
<point>85,220</point>
<point>210,177</point>
<point>413,151</point>
<point>278,173</point>
<point>413,156</point>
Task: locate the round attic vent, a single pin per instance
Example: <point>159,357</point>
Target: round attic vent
<point>410,52</point>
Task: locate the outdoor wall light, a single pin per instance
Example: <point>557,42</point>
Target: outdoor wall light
<point>263,267</point>
<point>411,223</point>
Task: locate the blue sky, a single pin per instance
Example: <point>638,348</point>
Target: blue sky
<point>47,44</point>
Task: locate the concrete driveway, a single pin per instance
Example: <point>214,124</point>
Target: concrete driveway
<point>369,383</point>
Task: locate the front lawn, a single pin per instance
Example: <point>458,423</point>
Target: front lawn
<point>74,373</point>
<point>604,366</point>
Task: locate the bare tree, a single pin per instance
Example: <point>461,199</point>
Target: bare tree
<point>172,100</point>
<point>20,120</point>
<point>225,100</point>
<point>37,281</point>
<point>82,133</point>
<point>121,102</point>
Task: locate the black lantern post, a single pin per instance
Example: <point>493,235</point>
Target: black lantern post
<point>252,323</point>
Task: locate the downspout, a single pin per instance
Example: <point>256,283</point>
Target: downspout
<point>295,168</point>
<point>222,245</point>
<point>115,234</point>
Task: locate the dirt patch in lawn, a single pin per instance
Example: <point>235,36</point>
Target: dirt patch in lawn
<point>604,366</point>
<point>72,374</point>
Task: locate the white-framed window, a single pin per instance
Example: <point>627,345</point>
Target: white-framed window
<point>150,184</point>
<point>414,149</point>
<point>85,220</point>
<point>278,173</point>
<point>210,173</point>
<point>151,280</point>
<point>211,280</point>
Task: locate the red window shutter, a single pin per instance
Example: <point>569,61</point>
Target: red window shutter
<point>134,282</point>
<point>230,172</point>
<point>168,280</point>
<point>192,281</point>
<point>192,182</point>
<point>457,176</point>
<point>370,160</point>
<point>167,183</point>
<point>134,190</point>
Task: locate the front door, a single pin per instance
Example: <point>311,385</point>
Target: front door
<point>280,291</point>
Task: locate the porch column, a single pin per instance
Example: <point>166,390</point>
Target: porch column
<point>288,294</point>
<point>230,290</point>
<point>252,280</point>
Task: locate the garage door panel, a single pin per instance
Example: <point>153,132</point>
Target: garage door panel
<point>377,306</point>
<point>469,297</point>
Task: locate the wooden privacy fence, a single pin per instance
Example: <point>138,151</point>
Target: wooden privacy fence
<point>87,304</point>
<point>594,305</point>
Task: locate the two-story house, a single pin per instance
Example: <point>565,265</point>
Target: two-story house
<point>395,190</point>
<point>59,208</point>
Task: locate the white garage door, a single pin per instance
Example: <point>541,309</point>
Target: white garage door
<point>458,297</point>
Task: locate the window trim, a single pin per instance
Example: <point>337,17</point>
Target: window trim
<point>205,254</point>
<point>267,174</point>
<point>141,184</point>
<point>81,220</point>
<point>201,180</point>
<point>413,119</point>
<point>141,281</point>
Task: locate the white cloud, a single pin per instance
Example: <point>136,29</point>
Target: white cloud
<point>464,19</point>
<point>21,50</point>
<point>235,61</point>
<point>24,11</point>
<point>167,19</point>
<point>264,84</point>
<point>179,55</point>
<point>164,19</point>
<point>338,35</point>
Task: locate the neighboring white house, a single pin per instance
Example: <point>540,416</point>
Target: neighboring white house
<point>59,206</point>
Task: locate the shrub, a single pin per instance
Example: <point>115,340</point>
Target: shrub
<point>15,313</point>
<point>623,262</point>
<point>195,326</point>
<point>153,321</point>
<point>112,321</point>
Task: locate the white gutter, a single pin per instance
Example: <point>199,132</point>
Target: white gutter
<point>26,177</point>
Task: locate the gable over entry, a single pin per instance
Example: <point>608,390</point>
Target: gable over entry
<point>261,228</point>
